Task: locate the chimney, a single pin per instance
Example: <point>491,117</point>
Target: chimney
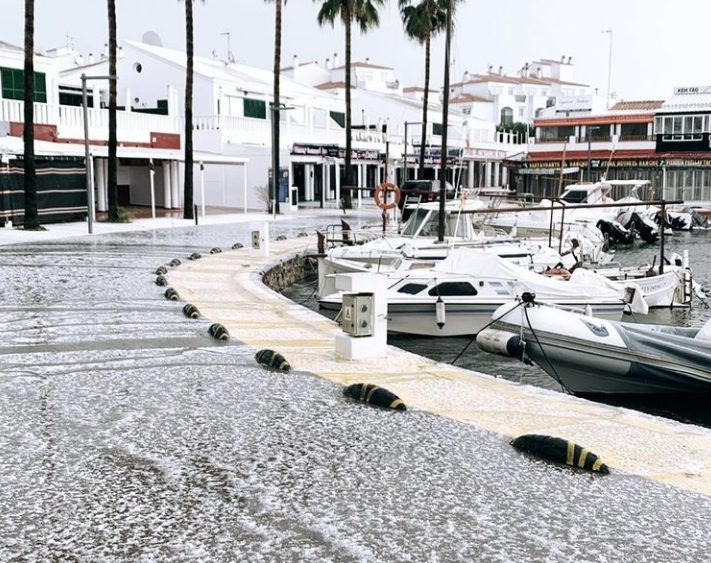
<point>501,70</point>
<point>79,59</point>
<point>367,60</point>
<point>539,72</point>
<point>335,60</point>
<point>296,62</point>
<point>570,60</point>
<point>119,52</point>
<point>562,59</point>
<point>526,70</point>
<point>91,58</point>
<point>106,51</point>
<point>465,78</point>
<point>490,69</point>
<point>328,64</point>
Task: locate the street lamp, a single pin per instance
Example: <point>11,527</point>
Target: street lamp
<point>89,172</point>
<point>274,196</point>
<point>404,157</point>
<point>609,69</point>
<point>589,130</point>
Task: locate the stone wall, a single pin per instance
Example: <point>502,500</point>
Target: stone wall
<point>285,273</point>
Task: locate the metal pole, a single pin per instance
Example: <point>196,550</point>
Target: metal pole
<point>589,155</point>
<point>153,188</point>
<point>202,188</point>
<point>87,157</point>
<point>404,159</point>
<point>275,149</point>
<point>609,70</point>
<point>662,226</point>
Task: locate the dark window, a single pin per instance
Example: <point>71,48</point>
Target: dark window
<point>255,108</point>
<point>437,129</point>
<point>506,116</point>
<point>412,288</point>
<point>453,289</point>
<point>13,86</point>
<point>338,117</point>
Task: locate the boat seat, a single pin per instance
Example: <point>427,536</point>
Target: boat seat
<point>704,333</point>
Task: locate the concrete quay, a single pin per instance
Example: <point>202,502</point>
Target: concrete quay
<point>227,288</point>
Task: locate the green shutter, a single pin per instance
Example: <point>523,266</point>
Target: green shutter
<point>338,117</point>
<point>13,85</point>
<point>255,108</point>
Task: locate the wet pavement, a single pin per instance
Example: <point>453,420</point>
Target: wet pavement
<point>126,433</point>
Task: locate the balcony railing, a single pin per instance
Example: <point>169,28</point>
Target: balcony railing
<point>552,140</point>
<point>629,138</point>
<point>594,139</point>
<point>69,120</point>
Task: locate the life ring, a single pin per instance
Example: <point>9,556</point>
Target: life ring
<point>384,188</point>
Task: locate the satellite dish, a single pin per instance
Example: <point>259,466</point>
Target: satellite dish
<point>152,38</point>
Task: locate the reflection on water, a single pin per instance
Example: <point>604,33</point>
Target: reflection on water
<point>126,433</point>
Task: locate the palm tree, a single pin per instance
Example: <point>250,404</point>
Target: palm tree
<point>31,219</point>
<point>423,19</point>
<point>276,103</point>
<point>365,14</point>
<point>188,186</point>
<point>111,180</point>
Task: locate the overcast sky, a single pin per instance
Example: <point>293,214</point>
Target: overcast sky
<point>656,44</point>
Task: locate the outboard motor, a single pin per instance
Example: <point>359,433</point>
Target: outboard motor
<point>646,229</point>
<point>614,232</point>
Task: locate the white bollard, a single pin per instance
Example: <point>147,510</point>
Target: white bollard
<point>260,239</point>
<point>375,345</point>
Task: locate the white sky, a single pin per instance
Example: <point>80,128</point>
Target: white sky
<point>656,44</point>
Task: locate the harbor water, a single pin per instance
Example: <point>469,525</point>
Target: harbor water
<point>127,434</point>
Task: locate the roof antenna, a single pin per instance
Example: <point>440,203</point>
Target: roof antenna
<point>230,56</point>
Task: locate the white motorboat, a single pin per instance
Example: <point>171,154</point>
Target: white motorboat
<point>417,247</point>
<point>458,295</point>
<point>591,356</point>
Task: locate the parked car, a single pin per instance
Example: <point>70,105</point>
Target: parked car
<point>428,190</point>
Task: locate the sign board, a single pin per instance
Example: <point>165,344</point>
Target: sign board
<point>574,103</point>
<point>691,90</point>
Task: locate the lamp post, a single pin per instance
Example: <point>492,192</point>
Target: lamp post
<point>275,115</point>
<point>404,157</point>
<point>87,155</point>
<point>609,69</point>
<point>588,131</point>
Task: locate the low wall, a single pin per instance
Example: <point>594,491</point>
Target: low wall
<point>289,271</point>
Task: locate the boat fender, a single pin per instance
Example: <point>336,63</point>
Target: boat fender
<point>272,359</point>
<point>174,263</point>
<point>215,250</point>
<point>237,245</point>
<point>161,280</point>
<point>440,312</point>
<point>171,294</point>
<point>561,451</point>
<point>302,234</point>
<point>218,331</point>
<point>194,256</point>
<point>501,342</point>
<point>281,237</point>
<point>161,270</point>
<point>374,395</point>
<point>191,311</point>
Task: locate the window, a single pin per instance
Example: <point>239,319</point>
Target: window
<point>506,116</point>
<point>453,289</point>
<point>255,108</point>
<point>436,128</point>
<point>13,85</point>
<point>412,288</point>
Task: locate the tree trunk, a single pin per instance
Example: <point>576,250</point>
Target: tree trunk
<point>425,102</point>
<point>112,186</point>
<point>31,219</point>
<point>445,118</point>
<point>188,187</point>
<point>276,108</point>
<point>347,17</point>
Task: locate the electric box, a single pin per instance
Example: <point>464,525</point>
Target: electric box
<point>256,240</point>
<point>358,317</point>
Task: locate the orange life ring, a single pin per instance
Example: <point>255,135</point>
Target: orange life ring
<point>383,189</point>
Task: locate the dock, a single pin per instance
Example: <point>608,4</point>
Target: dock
<point>227,288</point>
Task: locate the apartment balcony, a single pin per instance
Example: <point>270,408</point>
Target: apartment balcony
<point>247,130</point>
<point>68,122</point>
<point>606,143</point>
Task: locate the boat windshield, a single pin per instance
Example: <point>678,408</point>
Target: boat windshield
<point>575,196</point>
<point>425,223</point>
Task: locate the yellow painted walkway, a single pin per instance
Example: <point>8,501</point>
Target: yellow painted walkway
<point>227,288</point>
